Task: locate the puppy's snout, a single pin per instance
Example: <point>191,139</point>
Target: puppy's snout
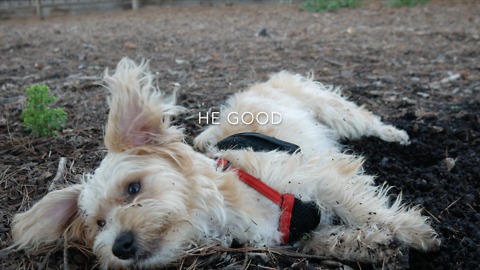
<point>124,246</point>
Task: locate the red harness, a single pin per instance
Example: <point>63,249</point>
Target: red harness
<point>285,201</point>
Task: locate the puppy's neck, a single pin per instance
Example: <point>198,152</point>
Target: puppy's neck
<point>233,207</point>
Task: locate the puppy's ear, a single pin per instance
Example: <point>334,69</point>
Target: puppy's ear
<point>139,113</point>
<point>47,220</point>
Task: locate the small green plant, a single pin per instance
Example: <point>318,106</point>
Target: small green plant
<point>402,3</point>
<point>328,5</point>
<point>37,116</point>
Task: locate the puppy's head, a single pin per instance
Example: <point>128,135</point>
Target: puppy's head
<point>140,205</point>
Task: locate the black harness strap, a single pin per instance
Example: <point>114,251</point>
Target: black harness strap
<point>257,142</point>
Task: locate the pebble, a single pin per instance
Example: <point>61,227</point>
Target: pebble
<point>450,163</point>
<point>263,33</point>
<point>423,95</point>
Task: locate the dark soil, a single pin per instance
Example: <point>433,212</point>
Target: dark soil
<point>418,68</point>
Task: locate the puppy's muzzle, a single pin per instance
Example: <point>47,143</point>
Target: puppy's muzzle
<point>125,246</point>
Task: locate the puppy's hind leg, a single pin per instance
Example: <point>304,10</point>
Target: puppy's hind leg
<point>351,121</point>
<point>345,117</point>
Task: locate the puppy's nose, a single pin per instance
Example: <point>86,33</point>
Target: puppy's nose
<point>124,246</point>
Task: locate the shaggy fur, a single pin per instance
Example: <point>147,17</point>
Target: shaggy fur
<point>183,199</point>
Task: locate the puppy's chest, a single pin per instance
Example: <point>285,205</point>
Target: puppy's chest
<point>256,221</point>
<point>290,217</point>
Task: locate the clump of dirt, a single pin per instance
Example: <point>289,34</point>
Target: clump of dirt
<point>416,67</point>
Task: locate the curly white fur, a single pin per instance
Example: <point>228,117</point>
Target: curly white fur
<point>184,199</point>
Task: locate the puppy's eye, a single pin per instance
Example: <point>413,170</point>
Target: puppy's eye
<point>101,223</point>
<point>133,188</point>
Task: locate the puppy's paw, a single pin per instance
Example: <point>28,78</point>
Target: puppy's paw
<point>427,241</point>
<point>390,133</point>
<point>205,140</point>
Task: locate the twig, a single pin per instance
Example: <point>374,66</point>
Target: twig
<point>85,78</point>
<point>436,219</point>
<point>25,197</point>
<point>194,264</point>
<point>337,265</point>
<point>272,250</point>
<point>246,262</point>
<point>9,134</point>
<point>334,62</point>
<point>471,207</point>
<point>65,255</point>
<point>58,179</point>
<point>43,264</point>
<point>260,255</point>
<point>450,205</point>
<point>60,170</point>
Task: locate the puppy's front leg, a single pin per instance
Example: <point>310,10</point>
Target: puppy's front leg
<point>209,137</point>
<point>343,190</point>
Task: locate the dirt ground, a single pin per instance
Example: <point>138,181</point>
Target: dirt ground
<point>418,68</point>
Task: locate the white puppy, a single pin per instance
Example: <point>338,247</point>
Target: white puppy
<point>154,196</point>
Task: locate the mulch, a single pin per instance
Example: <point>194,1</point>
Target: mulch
<point>418,68</point>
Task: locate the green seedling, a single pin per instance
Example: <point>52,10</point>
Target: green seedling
<point>402,3</point>
<point>38,117</point>
<point>329,5</point>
